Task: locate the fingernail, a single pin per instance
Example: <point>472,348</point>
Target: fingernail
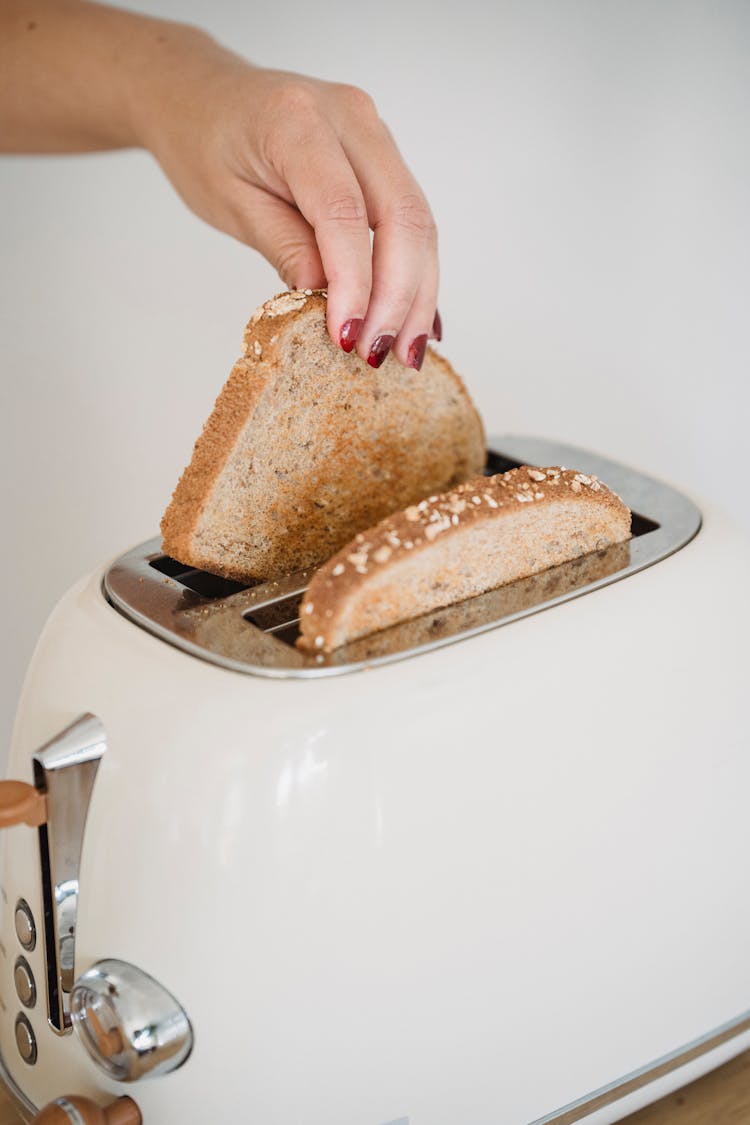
<point>417,349</point>
<point>437,327</point>
<point>381,345</point>
<point>350,331</point>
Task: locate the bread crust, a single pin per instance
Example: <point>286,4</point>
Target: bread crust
<point>253,377</point>
<point>237,399</point>
<point>328,613</point>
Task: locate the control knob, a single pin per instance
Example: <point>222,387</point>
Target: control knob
<point>82,1111</point>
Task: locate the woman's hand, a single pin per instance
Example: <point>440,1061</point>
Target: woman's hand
<point>298,168</point>
<point>303,170</point>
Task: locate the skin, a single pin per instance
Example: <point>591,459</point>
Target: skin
<point>301,170</point>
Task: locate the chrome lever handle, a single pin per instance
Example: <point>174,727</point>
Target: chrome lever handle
<point>64,770</point>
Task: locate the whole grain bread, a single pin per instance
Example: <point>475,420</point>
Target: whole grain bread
<point>483,534</point>
<point>492,605</point>
<point>307,445</point>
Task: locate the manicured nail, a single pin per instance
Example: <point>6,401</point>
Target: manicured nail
<point>381,345</point>
<point>437,327</point>
<point>417,349</point>
<point>350,331</point>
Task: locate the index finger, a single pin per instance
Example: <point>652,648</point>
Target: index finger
<point>326,191</point>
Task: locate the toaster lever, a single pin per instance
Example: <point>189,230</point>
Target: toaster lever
<point>21,803</point>
<point>64,771</point>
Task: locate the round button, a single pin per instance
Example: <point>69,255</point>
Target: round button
<point>25,1039</point>
<point>25,928</point>
<point>25,985</point>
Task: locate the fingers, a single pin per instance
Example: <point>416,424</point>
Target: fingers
<point>338,165</point>
<point>405,277</point>
<point>329,197</point>
<point>402,308</point>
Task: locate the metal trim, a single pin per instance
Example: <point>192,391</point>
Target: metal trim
<point>573,1111</point>
<point>74,1117</point>
<point>217,630</point>
<point>636,1079</point>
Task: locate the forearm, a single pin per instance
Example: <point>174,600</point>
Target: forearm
<point>77,77</point>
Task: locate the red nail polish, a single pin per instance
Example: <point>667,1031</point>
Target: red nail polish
<point>381,345</point>
<point>417,349</point>
<point>437,327</point>
<point>350,331</point>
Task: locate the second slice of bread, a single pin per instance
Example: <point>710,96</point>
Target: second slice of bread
<point>485,533</point>
<point>308,445</point>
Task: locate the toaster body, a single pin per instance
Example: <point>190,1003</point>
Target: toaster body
<point>496,879</point>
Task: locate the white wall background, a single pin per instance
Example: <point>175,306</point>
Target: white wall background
<point>588,162</point>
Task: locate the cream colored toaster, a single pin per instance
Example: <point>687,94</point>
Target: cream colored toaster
<point>485,869</point>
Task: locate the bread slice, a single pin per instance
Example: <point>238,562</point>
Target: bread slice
<point>308,445</point>
<point>475,612</point>
<point>483,534</point>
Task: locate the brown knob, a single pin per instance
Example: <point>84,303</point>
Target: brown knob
<point>72,1110</point>
<point>21,803</point>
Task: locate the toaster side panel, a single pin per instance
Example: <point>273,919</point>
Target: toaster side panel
<point>473,886</point>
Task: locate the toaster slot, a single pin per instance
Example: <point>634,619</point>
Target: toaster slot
<point>277,617</point>
<point>288,633</point>
<point>641,525</point>
<point>499,463</point>
<point>199,581</point>
<point>253,628</point>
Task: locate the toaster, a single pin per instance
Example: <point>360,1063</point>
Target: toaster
<point>486,867</point>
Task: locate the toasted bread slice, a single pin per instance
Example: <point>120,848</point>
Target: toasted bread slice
<point>483,534</point>
<point>308,445</point>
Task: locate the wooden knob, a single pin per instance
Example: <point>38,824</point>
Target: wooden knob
<point>21,803</point>
<point>73,1110</point>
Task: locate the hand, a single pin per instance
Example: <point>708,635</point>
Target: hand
<point>302,170</point>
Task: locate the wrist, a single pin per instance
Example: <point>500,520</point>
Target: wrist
<point>169,78</point>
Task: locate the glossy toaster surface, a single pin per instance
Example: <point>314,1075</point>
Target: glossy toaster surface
<point>480,881</point>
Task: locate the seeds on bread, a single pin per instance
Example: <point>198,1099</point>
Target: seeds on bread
<point>483,534</point>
